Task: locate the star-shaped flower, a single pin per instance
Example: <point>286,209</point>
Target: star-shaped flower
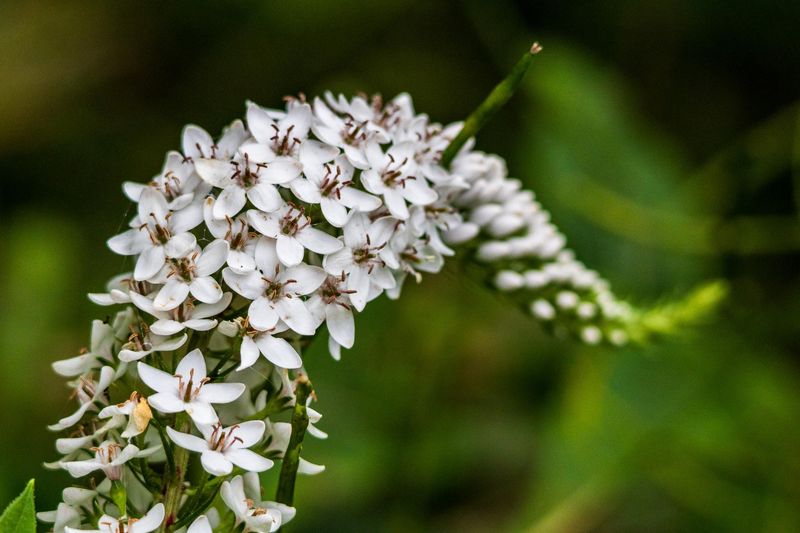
<point>223,447</point>
<point>188,390</point>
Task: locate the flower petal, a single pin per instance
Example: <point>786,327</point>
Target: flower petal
<point>318,241</point>
<point>229,202</point>
<point>278,351</point>
<point>281,170</point>
<point>201,412</point>
<point>248,353</point>
<point>248,459</point>
<point>149,522</point>
<point>212,258</point>
<point>262,315</point>
<point>221,392</point>
<point>185,440</point>
<point>206,289</point>
<point>290,251</point>
<point>215,463</point>
<point>171,295</point>
<point>294,312</point>
<point>158,380</point>
<point>166,402</point>
<point>265,197</point>
<point>341,324</point>
<point>149,263</point>
<point>194,364</point>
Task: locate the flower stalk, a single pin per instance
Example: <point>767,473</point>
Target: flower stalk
<point>502,92</point>
<point>291,460</point>
<point>174,487</point>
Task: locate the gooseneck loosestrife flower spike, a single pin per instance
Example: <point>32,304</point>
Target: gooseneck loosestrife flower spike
<point>242,250</point>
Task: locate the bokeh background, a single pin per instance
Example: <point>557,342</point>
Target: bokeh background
<point>663,136</point>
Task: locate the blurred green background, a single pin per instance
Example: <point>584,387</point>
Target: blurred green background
<point>663,136</point>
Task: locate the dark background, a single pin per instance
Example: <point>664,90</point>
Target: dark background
<point>663,136</point>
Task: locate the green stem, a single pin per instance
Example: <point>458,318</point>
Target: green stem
<point>496,99</point>
<point>174,484</point>
<point>291,458</point>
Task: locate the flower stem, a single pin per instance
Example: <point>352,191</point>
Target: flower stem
<point>174,485</point>
<point>496,99</point>
<point>291,458</point>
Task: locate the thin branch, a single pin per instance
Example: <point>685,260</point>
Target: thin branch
<point>291,458</point>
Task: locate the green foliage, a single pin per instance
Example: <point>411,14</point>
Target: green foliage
<point>20,515</point>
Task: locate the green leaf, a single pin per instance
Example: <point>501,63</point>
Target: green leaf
<point>19,516</point>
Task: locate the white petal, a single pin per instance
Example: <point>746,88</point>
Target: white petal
<point>214,172</point>
<point>212,258</point>
<point>130,242</point>
<point>233,495</point>
<point>240,261</point>
<point>359,200</point>
<point>150,521</point>
<point>290,251</point>
<point>184,440</point>
<point>221,392</point>
<point>206,289</point>
<point>80,468</point>
<point>171,295</point>
<point>200,525</point>
<point>278,351</point>
<point>341,324</point>
<point>335,349</point>
<point>192,364</point>
<point>396,203</point>
<point>294,312</point>
<point>265,197</point>
<point>266,255</point>
<point>195,141</point>
<point>249,460</point>
<point>318,241</point>
<point>260,124</point>
<point>305,279</point>
<point>334,212</point>
<point>215,463</point>
<point>309,469</point>
<point>305,190</point>
<point>268,224</point>
<point>281,170</point>
<point>418,192</point>
<point>201,412</point>
<point>299,120</point>
<point>166,327</point>
<point>250,285</point>
<point>158,380</point>
<point>166,402</point>
<point>248,353</point>
<point>201,324</point>
<point>149,263</point>
<point>229,202</point>
<point>358,281</point>
<point>250,432</point>
<point>208,310</point>
<point>180,245</point>
<point>262,315</point>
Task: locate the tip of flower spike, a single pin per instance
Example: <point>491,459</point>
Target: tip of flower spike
<point>670,317</point>
<point>535,48</point>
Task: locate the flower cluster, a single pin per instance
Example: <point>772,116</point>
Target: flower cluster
<point>243,248</point>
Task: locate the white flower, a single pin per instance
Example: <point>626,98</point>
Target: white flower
<point>330,184</point>
<point>137,411</point>
<point>350,133</point>
<point>71,447</point>
<point>64,516</point>
<point>101,343</point>
<point>145,524</point>
<point>257,516</point>
<point>236,231</point>
<point>276,290</point>
<point>119,288</point>
<point>157,233</point>
<point>221,448</point>
<point>140,345</point>
<point>251,175</point>
<point>284,136</point>
<point>331,305</point>
<point>391,175</point>
<point>293,231</point>
<point>108,457</point>
<point>88,393</point>
<point>188,390</point>
<point>187,315</point>
<point>276,350</point>
<point>197,143</point>
<point>193,274</point>
<point>364,258</point>
<point>177,182</point>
